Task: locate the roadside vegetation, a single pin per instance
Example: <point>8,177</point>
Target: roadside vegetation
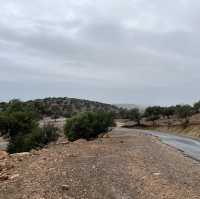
<point>155,113</point>
<point>20,125</point>
<point>88,125</point>
<point>19,121</point>
<point>62,107</point>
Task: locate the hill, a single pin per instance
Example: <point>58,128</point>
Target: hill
<point>63,106</point>
<point>130,106</point>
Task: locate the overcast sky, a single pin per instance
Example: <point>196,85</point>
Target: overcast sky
<point>115,51</point>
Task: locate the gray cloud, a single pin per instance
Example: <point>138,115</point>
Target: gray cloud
<point>132,51</point>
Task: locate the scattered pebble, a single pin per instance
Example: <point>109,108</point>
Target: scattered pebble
<point>156,174</point>
<point>65,187</point>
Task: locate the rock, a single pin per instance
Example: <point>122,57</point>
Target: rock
<point>72,155</point>
<point>2,165</point>
<point>101,135</point>
<point>14,176</point>
<point>65,187</point>
<point>35,152</point>
<point>4,177</point>
<point>44,150</point>
<point>8,165</point>
<point>21,154</point>
<point>80,141</point>
<point>156,174</point>
<point>106,136</point>
<point>93,167</point>
<point>3,155</point>
<point>64,142</point>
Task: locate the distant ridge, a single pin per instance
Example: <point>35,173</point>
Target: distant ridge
<point>64,106</point>
<point>130,106</point>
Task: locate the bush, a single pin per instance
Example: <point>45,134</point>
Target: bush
<point>184,112</point>
<point>15,124</point>
<point>21,127</point>
<point>37,138</point>
<point>153,113</point>
<point>88,125</point>
<point>197,107</point>
<point>135,115</point>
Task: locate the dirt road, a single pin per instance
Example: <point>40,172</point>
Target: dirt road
<point>116,167</point>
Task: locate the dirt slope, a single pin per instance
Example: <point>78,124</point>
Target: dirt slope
<point>114,168</point>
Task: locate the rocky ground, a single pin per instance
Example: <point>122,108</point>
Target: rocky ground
<point>113,167</point>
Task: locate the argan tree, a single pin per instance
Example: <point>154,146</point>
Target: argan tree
<point>184,112</point>
<point>153,113</point>
<point>135,115</point>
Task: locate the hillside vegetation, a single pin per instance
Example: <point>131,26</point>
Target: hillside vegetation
<point>20,121</point>
<point>63,106</point>
<point>88,125</point>
<point>182,118</point>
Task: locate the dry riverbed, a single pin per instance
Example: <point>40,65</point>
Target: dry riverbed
<point>114,167</point>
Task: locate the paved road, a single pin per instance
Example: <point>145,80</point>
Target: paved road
<point>189,146</point>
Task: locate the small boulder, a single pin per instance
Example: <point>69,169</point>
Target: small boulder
<point>64,142</point>
<point>21,154</point>
<point>80,141</point>
<point>156,174</point>
<point>35,152</point>
<point>106,136</point>
<point>14,176</point>
<point>3,155</point>
<point>65,187</point>
<point>4,177</point>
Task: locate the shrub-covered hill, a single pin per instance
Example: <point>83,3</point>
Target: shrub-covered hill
<point>63,106</point>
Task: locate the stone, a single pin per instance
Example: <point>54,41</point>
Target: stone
<point>156,174</point>
<point>35,152</point>
<point>14,176</point>
<point>2,165</point>
<point>106,136</point>
<point>72,155</point>
<point>64,142</point>
<point>3,155</point>
<point>80,141</point>
<point>65,187</point>
<point>20,155</point>
<point>4,177</point>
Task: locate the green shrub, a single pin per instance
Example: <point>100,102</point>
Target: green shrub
<point>17,123</point>
<point>135,115</point>
<point>88,125</point>
<point>37,138</point>
<point>21,126</point>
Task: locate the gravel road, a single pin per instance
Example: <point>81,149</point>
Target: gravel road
<point>116,167</point>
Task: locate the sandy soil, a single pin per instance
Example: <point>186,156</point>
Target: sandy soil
<point>137,167</point>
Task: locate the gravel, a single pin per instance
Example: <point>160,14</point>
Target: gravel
<point>115,167</point>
